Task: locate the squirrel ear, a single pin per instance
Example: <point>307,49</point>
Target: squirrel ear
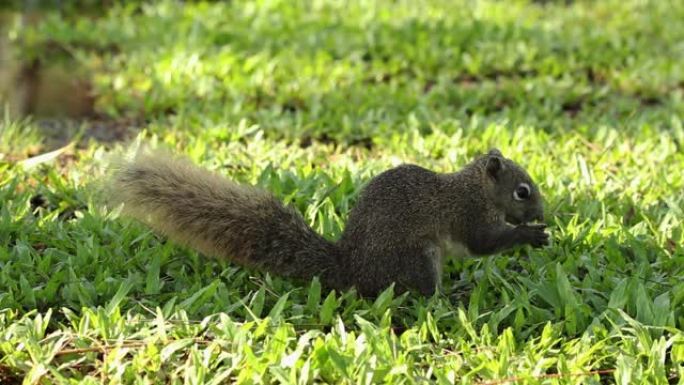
<point>495,152</point>
<point>494,166</point>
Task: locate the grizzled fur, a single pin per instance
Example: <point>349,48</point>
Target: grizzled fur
<point>406,219</point>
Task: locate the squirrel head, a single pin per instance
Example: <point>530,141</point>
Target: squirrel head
<point>512,190</point>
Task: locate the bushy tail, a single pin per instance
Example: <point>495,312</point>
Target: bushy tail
<point>221,218</point>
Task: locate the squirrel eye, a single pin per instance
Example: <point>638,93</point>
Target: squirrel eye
<point>522,192</point>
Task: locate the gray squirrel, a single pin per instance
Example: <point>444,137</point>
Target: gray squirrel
<point>404,222</point>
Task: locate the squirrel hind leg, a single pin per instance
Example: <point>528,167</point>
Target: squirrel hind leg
<point>417,270</point>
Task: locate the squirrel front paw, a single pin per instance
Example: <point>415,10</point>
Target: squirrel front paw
<point>534,234</point>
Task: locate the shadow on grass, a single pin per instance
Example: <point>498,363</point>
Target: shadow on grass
<point>414,69</point>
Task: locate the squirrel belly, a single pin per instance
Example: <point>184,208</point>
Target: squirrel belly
<point>396,233</point>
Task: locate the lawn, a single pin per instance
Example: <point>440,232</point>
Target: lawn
<point>309,100</point>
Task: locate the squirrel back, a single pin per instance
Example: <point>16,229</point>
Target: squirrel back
<point>396,233</point>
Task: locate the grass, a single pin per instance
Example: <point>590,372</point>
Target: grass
<point>309,101</point>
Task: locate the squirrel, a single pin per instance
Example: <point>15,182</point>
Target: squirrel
<point>404,222</point>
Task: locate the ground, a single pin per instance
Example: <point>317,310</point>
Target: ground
<point>310,100</point>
